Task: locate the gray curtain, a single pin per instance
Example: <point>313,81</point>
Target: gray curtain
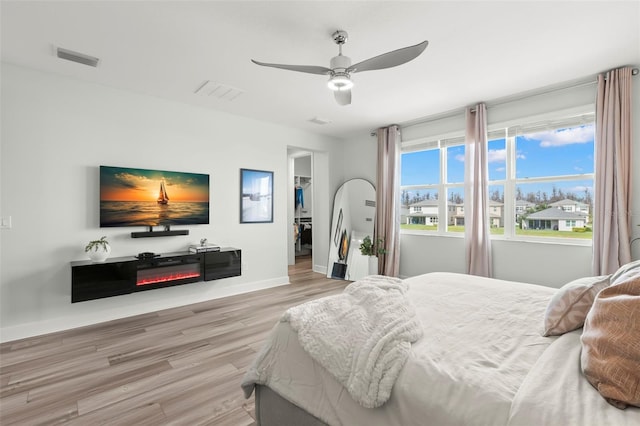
<point>476,193</point>
<point>612,201</point>
<point>387,224</point>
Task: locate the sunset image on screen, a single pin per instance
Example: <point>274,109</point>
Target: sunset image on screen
<point>132,197</point>
<point>119,184</point>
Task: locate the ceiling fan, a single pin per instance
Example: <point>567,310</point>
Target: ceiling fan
<point>341,69</point>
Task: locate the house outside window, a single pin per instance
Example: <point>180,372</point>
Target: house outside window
<point>421,214</point>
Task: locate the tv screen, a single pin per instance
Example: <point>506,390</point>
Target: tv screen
<point>141,197</point>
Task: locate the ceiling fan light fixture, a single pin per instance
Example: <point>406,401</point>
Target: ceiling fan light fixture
<point>340,82</point>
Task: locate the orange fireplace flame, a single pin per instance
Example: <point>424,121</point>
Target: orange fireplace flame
<point>167,278</point>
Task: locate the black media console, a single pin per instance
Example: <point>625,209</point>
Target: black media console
<point>124,275</point>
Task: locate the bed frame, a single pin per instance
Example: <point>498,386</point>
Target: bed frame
<point>274,410</point>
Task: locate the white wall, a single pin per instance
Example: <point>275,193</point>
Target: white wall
<point>361,156</point>
<point>302,166</point>
<point>55,134</point>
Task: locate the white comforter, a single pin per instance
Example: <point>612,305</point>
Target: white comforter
<point>365,359</point>
<point>480,362</point>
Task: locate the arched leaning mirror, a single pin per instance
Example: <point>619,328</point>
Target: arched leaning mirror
<point>354,209</point>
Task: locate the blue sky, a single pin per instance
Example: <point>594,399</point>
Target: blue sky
<point>256,181</point>
<point>550,153</point>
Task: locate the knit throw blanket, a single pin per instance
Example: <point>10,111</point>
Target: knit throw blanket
<point>362,336</point>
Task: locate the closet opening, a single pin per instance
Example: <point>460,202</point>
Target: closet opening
<point>301,224</point>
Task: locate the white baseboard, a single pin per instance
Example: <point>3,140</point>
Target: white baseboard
<point>321,269</point>
<point>52,325</point>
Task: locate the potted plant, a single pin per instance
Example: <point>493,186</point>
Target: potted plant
<point>98,250</point>
<point>371,249</point>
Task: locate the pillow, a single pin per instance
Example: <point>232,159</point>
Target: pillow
<point>568,308</point>
<point>624,269</point>
<point>610,358</point>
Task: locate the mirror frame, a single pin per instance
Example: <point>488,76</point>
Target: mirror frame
<point>354,209</point>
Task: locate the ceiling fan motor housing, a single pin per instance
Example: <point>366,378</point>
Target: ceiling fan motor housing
<point>340,63</point>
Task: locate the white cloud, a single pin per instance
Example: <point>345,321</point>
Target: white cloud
<point>500,169</point>
<point>128,180</point>
<point>497,155</point>
<point>583,134</point>
<point>578,189</point>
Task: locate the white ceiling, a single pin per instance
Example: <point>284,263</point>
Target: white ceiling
<point>478,51</point>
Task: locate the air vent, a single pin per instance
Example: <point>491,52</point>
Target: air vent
<point>218,90</point>
<point>369,203</point>
<point>319,121</point>
<point>78,57</point>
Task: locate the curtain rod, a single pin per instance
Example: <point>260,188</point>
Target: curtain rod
<point>499,101</point>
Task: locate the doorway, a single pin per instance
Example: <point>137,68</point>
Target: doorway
<point>300,246</point>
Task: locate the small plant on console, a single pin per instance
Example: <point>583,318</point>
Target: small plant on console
<point>95,245</point>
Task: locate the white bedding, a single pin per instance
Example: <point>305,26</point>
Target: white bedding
<point>481,351</point>
<point>367,359</point>
<point>555,388</point>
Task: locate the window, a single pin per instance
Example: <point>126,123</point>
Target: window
<point>540,181</point>
<point>432,185</point>
<point>552,178</point>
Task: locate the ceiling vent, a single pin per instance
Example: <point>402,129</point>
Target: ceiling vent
<point>218,90</point>
<point>78,57</point>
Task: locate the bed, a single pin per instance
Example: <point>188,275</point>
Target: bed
<point>482,358</point>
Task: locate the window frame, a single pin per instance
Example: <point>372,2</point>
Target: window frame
<point>442,144</point>
<point>560,119</point>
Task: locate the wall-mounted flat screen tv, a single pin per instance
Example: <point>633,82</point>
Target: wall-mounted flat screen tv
<point>141,197</point>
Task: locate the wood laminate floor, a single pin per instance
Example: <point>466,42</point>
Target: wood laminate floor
<point>177,366</point>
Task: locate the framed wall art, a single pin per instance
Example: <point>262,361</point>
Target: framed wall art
<point>256,196</point>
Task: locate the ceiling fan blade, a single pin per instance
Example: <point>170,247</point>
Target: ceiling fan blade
<point>311,69</point>
<point>390,59</point>
<point>343,97</point>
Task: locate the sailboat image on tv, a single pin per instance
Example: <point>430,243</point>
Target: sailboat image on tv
<point>146,197</point>
<point>163,198</point>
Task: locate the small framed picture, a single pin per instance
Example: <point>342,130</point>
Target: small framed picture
<point>256,196</point>
<point>336,235</point>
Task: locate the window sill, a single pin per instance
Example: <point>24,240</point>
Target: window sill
<point>547,240</point>
<point>542,240</point>
<point>432,233</point>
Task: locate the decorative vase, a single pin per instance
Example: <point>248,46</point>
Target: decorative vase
<point>373,265</point>
<point>99,255</point>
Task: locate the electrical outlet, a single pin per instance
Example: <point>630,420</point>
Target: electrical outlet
<point>5,222</point>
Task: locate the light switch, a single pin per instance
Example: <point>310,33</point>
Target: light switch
<point>5,222</point>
